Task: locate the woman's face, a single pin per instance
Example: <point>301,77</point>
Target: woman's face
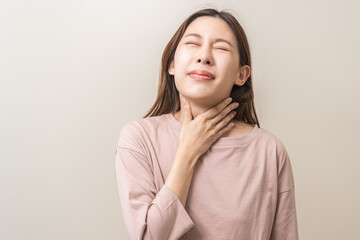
<point>203,52</point>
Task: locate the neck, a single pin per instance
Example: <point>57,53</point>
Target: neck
<point>197,108</point>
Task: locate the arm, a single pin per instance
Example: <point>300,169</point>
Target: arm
<point>285,222</point>
<point>285,226</point>
<point>148,214</point>
<point>180,175</point>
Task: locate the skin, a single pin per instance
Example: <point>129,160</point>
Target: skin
<point>218,58</point>
<point>204,110</point>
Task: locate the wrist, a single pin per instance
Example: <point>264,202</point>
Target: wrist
<point>186,155</point>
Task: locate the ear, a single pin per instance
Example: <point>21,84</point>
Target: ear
<point>244,74</point>
<point>171,68</point>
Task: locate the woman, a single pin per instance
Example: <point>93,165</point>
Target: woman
<point>192,169</point>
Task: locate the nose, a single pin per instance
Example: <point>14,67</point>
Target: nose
<point>205,56</point>
<point>201,60</point>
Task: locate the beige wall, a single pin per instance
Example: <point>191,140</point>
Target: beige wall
<point>73,72</point>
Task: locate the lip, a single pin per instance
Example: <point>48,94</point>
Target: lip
<point>201,74</point>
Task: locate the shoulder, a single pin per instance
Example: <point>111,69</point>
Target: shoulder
<point>274,145</point>
<point>282,158</point>
<point>133,134</point>
<point>271,139</point>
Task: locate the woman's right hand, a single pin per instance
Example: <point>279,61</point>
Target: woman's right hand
<point>197,135</point>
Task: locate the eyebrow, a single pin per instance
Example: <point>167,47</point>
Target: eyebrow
<point>216,39</point>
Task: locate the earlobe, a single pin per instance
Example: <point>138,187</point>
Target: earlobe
<point>171,68</point>
<point>239,82</point>
<point>244,74</point>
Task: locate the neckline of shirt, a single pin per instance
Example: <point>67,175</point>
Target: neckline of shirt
<point>231,141</point>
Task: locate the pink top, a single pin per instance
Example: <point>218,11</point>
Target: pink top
<point>242,187</point>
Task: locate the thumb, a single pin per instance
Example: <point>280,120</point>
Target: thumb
<point>187,110</point>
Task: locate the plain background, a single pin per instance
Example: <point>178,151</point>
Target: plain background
<point>74,72</point>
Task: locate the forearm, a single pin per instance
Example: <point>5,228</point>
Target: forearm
<point>180,175</point>
<point>148,214</point>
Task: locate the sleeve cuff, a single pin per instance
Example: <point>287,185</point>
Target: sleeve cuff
<point>171,213</point>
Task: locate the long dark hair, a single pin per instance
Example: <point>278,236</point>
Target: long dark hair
<point>168,100</point>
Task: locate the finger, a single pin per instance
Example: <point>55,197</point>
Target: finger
<point>225,129</point>
<point>225,112</point>
<point>225,121</point>
<point>212,112</point>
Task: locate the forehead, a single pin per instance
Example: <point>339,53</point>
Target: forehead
<point>211,27</point>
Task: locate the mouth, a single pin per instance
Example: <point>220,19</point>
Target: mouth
<point>201,75</point>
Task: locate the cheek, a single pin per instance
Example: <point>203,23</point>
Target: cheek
<point>183,57</point>
<point>182,64</point>
<point>229,70</point>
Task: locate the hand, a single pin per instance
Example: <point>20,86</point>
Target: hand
<point>198,134</point>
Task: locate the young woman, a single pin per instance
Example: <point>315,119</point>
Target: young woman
<point>198,165</point>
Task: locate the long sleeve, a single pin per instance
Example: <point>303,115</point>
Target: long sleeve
<point>285,226</point>
<point>147,213</point>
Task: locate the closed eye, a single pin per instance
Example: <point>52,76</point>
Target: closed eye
<point>198,44</point>
<point>223,49</point>
<point>191,43</point>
